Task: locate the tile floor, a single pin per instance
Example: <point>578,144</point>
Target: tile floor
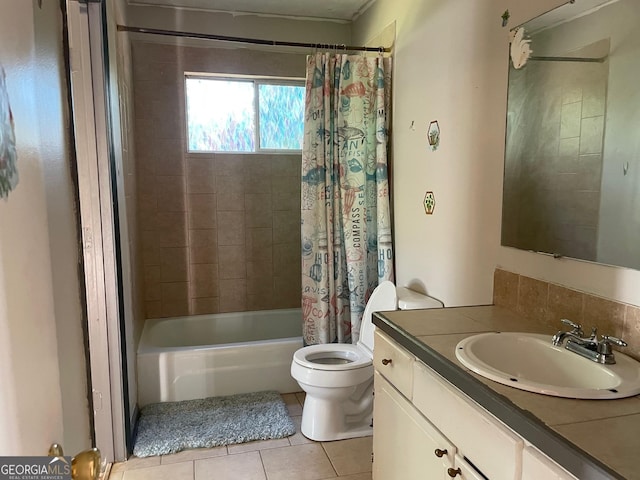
<point>292,458</point>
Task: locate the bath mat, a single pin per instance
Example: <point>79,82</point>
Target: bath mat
<point>170,427</point>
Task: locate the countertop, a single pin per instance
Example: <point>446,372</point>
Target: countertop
<point>592,439</point>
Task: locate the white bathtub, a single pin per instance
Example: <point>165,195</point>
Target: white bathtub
<point>199,356</point>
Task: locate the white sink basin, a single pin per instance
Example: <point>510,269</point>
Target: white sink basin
<point>530,362</point>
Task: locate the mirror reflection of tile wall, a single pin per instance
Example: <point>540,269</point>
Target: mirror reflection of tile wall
<point>219,232</point>
<point>553,161</point>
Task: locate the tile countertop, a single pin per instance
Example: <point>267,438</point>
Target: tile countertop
<point>592,439</point>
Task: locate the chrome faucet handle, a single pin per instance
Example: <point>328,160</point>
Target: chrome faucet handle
<point>604,345</point>
<point>616,341</point>
<point>577,328</point>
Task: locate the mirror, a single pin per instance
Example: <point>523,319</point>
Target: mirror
<point>572,156</point>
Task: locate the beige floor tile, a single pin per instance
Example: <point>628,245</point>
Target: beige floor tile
<point>258,445</point>
<point>135,462</point>
<point>115,476</point>
<point>193,454</point>
<point>350,456</point>
<point>245,466</point>
<point>298,438</point>
<point>293,405</point>
<point>175,471</point>
<point>299,462</point>
<point>301,396</point>
<point>357,476</point>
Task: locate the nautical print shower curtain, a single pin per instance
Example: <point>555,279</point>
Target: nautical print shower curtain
<point>346,224</point>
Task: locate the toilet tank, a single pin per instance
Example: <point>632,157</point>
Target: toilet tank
<point>411,300</point>
<point>387,297</point>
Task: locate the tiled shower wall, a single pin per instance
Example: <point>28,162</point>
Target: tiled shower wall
<point>550,302</point>
<point>219,232</point>
<point>553,161</point>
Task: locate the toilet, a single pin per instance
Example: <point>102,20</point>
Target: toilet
<point>338,378</point>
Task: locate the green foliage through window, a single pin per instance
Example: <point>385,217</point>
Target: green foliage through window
<point>221,115</point>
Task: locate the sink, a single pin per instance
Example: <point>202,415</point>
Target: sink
<point>530,362</point>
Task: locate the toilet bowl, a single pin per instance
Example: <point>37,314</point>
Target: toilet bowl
<point>338,378</point>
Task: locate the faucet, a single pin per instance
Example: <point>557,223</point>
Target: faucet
<point>588,347</point>
<point>576,333</point>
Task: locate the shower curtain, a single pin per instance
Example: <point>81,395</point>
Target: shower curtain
<point>346,224</point>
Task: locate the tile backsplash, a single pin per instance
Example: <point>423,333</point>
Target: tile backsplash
<point>548,303</point>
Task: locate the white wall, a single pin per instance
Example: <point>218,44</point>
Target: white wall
<point>43,393</point>
<point>451,65</point>
<point>447,64</point>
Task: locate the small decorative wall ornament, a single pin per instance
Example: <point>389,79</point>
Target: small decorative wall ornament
<point>520,49</point>
<point>8,154</point>
<point>429,203</point>
<point>505,18</point>
<point>433,135</point>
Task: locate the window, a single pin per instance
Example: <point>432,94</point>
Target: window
<point>244,115</point>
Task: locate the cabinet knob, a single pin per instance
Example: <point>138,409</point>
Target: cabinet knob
<point>386,361</point>
<point>452,473</point>
<point>440,453</point>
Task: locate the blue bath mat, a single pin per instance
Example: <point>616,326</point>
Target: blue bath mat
<point>170,427</point>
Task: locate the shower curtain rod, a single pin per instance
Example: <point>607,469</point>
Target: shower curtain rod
<point>569,59</point>
<point>254,41</point>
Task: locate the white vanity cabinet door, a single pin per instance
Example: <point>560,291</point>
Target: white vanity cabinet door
<point>394,363</point>
<point>490,445</point>
<point>404,442</point>
<point>536,465</point>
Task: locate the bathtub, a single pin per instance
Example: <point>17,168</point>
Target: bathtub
<point>199,356</point>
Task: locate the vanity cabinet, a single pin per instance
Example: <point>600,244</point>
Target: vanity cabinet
<point>406,445</point>
<point>413,424</point>
<point>493,448</point>
<point>404,441</point>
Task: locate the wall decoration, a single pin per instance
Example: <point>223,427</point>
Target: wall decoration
<point>429,203</point>
<point>520,49</point>
<point>8,155</point>
<point>505,18</point>
<point>433,135</point>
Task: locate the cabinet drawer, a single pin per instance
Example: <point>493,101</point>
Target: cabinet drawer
<point>394,363</point>
<point>466,471</point>
<point>536,465</point>
<point>487,443</point>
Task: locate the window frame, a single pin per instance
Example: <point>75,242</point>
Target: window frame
<point>256,81</point>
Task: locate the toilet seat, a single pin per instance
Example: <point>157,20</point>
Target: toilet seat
<point>332,357</point>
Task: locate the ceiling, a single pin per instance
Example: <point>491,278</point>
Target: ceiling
<point>339,10</point>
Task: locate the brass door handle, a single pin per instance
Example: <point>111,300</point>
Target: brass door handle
<point>440,453</point>
<point>452,473</point>
<point>386,361</point>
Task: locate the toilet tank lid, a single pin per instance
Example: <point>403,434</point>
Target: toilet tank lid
<point>411,300</point>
